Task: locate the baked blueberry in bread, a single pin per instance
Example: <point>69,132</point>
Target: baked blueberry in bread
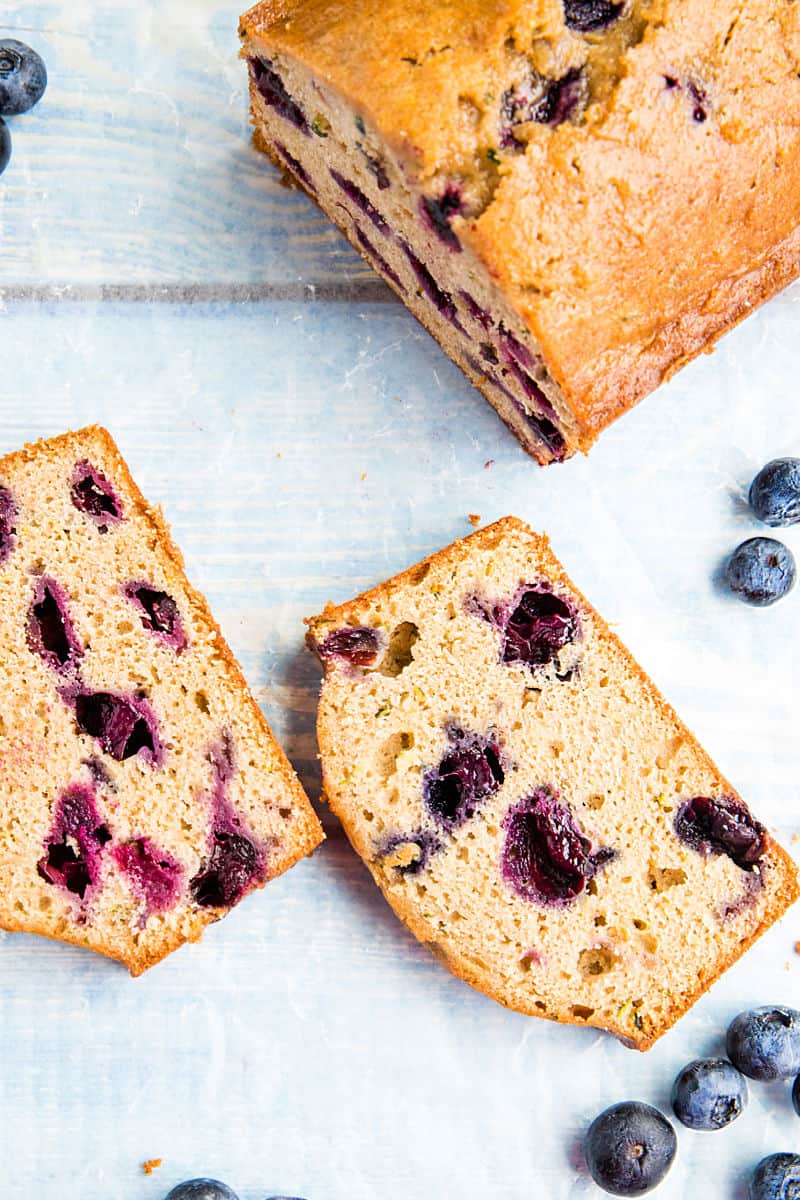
<point>574,196</point>
<point>142,794</point>
<point>528,803</point>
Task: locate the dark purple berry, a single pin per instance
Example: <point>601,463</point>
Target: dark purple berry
<point>761,571</point>
<point>356,644</point>
<point>722,826</point>
<point>796,1095</point>
<point>775,492</point>
<point>549,433</point>
<point>361,201</point>
<point>539,626</point>
<point>438,213</point>
<point>442,300</point>
<point>699,100</point>
<point>764,1043</point>
<point>546,859</point>
<point>231,871</point>
<point>202,1189</point>
<point>629,1148</point>
<point>585,16</point>
<point>273,90</point>
<point>543,101</point>
<point>51,633</point>
<point>777,1177</point>
<point>708,1094</point>
<point>93,494</point>
<point>23,78</point>
<point>123,726</point>
<point>154,875</point>
<point>469,773</point>
<point>378,259</point>
<point>159,613</point>
<point>75,844</point>
<point>475,310</point>
<point>5,145</point>
<point>8,522</point>
<point>296,167</point>
<point>376,167</point>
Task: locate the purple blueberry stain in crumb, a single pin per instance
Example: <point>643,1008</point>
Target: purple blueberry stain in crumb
<point>156,878</point>
<point>438,213</point>
<point>468,774</point>
<point>699,98</point>
<point>125,726</point>
<point>91,493</point>
<point>547,432</point>
<point>587,16</point>
<point>8,518</point>
<point>296,167</point>
<point>722,826</point>
<point>99,773</point>
<point>51,633</point>
<point>442,300</point>
<point>235,863</point>
<point>410,853</point>
<point>476,312</point>
<point>545,858</point>
<point>356,644</point>
<point>543,102</point>
<point>75,844</point>
<point>489,353</point>
<point>275,94</point>
<point>378,259</point>
<point>159,613</point>
<point>361,201</point>
<point>516,349</point>
<point>376,167</point>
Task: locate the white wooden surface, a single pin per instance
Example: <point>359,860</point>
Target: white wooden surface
<point>301,451</point>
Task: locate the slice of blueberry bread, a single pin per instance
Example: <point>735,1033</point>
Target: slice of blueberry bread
<point>528,803</point>
<point>142,794</point>
<point>540,182</point>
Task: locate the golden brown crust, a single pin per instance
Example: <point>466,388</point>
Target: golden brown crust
<point>628,242</point>
<point>779,863</point>
<point>307,832</point>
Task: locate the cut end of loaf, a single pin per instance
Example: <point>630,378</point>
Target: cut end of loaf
<point>527,802</point>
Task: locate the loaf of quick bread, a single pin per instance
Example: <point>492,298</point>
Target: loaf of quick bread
<point>574,196</point>
<point>142,794</point>
<point>528,803</point>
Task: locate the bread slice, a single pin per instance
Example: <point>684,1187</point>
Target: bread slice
<point>141,791</point>
<point>528,803</point>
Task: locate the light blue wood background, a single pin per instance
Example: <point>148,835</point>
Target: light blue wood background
<point>307,438</point>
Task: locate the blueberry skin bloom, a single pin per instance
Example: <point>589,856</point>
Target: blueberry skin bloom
<point>708,1094</point>
<point>761,571</point>
<point>765,1043</point>
<point>777,1177</point>
<point>5,145</point>
<point>775,492</point>
<point>202,1189</point>
<point>23,77</point>
<point>629,1148</point>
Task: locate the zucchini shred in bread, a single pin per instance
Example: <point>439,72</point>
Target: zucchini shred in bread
<point>528,803</point>
<point>575,198</point>
<point>141,791</point>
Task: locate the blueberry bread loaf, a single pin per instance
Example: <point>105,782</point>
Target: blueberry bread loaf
<point>528,803</point>
<point>142,794</point>
<point>574,196</point>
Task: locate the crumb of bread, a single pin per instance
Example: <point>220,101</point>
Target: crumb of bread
<point>474,520</point>
<point>151,1164</point>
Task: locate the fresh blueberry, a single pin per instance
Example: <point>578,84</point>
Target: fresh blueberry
<point>765,1043</point>
<point>23,77</point>
<point>202,1189</point>
<point>5,146</point>
<point>796,1095</point>
<point>708,1094</point>
<point>777,1177</point>
<point>629,1148</point>
<point>775,492</point>
<point>761,571</point>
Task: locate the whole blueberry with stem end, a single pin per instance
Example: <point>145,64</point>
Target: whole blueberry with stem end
<point>5,145</point>
<point>23,77</point>
<point>708,1094</point>
<point>761,571</point>
<point>777,1177</point>
<point>202,1189</point>
<point>764,1043</point>
<point>629,1148</point>
<point>775,492</point>
<point>796,1095</point>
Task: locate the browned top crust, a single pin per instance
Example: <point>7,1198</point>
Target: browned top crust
<point>629,237</point>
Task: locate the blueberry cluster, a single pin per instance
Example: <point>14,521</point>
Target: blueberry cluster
<point>762,570</point>
<point>210,1189</point>
<point>630,1147</point>
<point>23,78</point>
